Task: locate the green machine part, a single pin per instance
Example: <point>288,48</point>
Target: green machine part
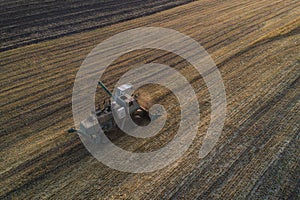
<point>105,89</point>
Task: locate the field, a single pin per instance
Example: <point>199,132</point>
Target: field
<point>27,22</point>
<point>255,45</point>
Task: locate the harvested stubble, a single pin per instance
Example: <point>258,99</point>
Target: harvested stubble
<point>256,47</point>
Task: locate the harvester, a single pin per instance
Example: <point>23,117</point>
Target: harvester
<point>124,103</point>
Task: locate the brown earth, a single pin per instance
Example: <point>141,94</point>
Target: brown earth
<point>255,45</point>
<point>26,22</point>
